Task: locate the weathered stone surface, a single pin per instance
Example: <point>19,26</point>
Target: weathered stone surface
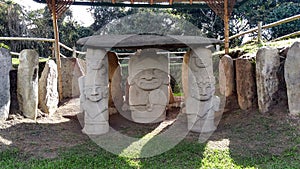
<point>226,76</point>
<point>48,94</point>
<point>115,80</point>
<point>292,78</point>
<point>148,91</point>
<point>14,104</point>
<point>72,69</point>
<point>267,65</point>
<point>184,77</point>
<point>94,93</point>
<point>5,66</point>
<point>201,104</point>
<point>245,83</point>
<point>28,83</point>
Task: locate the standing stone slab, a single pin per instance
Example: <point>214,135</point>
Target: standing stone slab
<point>5,66</point>
<point>292,78</point>
<point>94,93</point>
<point>201,103</point>
<point>115,80</point>
<point>28,83</point>
<point>184,74</point>
<point>267,65</point>
<point>226,76</point>
<point>72,69</point>
<point>149,82</point>
<point>245,84</point>
<point>48,94</point>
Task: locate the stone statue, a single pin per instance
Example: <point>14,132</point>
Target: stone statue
<point>148,92</point>
<point>94,93</point>
<point>201,104</point>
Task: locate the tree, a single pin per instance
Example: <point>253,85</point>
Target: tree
<point>12,23</point>
<point>205,19</point>
<point>151,21</point>
<point>269,11</point>
<point>104,15</point>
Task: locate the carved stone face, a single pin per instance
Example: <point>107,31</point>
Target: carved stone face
<point>149,79</point>
<point>206,90</point>
<point>95,93</point>
<point>197,61</point>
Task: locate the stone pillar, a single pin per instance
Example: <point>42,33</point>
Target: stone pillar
<point>115,80</point>
<point>267,65</point>
<point>72,69</point>
<point>245,83</point>
<point>226,76</point>
<point>148,92</point>
<point>94,93</point>
<point>48,94</point>
<point>5,66</point>
<point>28,83</point>
<point>201,104</point>
<point>184,77</point>
<point>292,78</point>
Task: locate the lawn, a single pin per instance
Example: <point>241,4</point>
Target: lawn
<point>244,139</point>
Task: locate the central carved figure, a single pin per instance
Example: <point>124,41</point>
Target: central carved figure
<point>148,92</point>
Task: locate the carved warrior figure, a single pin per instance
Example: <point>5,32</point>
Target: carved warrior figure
<point>201,104</point>
<point>148,91</point>
<point>94,93</point>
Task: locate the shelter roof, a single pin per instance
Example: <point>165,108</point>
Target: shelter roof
<point>148,3</point>
<point>141,41</point>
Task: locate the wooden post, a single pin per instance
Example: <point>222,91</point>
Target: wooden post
<point>57,49</point>
<point>259,32</point>
<point>226,25</point>
<point>74,52</point>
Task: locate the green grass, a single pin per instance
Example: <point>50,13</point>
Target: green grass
<point>178,94</point>
<point>187,154</point>
<point>252,47</point>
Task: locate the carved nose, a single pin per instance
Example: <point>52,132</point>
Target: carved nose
<point>202,92</point>
<point>94,92</point>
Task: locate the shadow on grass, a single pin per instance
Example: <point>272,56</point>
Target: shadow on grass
<point>244,139</point>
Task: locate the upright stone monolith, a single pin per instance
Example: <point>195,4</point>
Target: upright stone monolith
<point>245,83</point>
<point>28,83</point>
<point>267,65</point>
<point>148,91</point>
<point>5,66</point>
<point>72,69</point>
<point>48,94</point>
<point>226,76</point>
<point>201,103</point>
<point>115,80</point>
<point>292,78</point>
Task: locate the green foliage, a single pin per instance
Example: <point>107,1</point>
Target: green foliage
<point>205,19</point>
<point>104,15</point>
<point>153,21</point>
<point>282,11</point>
<point>2,45</point>
<point>269,11</point>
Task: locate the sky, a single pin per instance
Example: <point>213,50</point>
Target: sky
<point>80,13</point>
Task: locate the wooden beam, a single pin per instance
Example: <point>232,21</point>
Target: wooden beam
<point>226,26</point>
<point>286,20</point>
<point>57,48</point>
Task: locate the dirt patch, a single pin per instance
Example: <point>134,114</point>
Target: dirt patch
<point>243,132</point>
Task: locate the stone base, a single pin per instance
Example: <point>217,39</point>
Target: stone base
<point>148,117</point>
<point>96,128</point>
<point>201,125</point>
